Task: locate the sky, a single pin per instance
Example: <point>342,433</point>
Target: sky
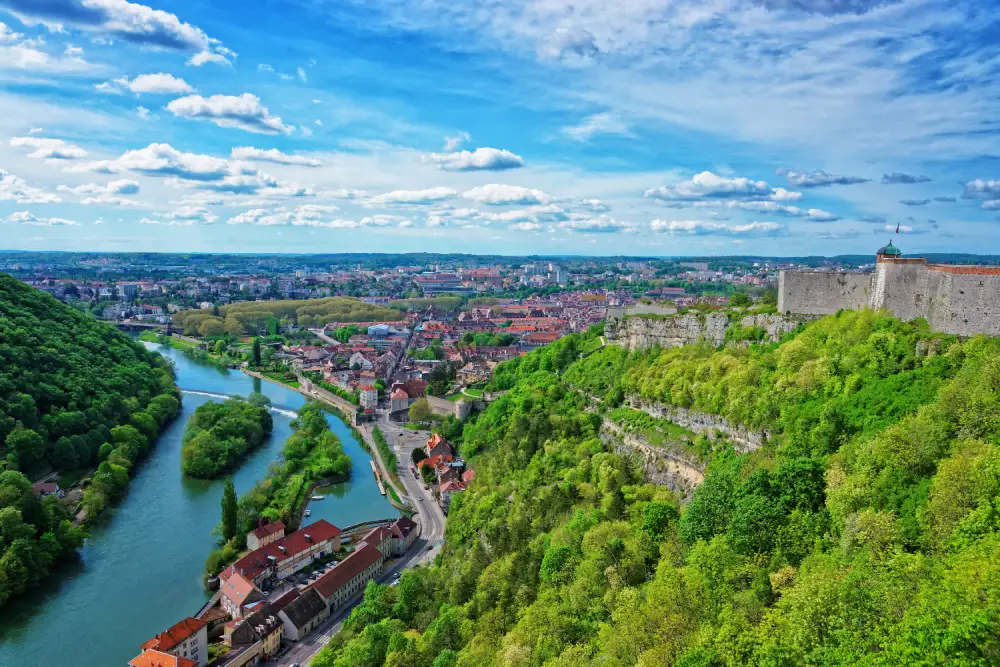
<point>643,127</point>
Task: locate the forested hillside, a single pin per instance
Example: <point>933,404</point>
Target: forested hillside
<point>74,394</point>
<point>864,532</point>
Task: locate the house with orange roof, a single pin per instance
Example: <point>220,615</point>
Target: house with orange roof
<point>187,639</point>
<point>264,535</point>
<point>350,576</point>
<point>287,555</point>
<point>237,594</point>
<point>153,658</point>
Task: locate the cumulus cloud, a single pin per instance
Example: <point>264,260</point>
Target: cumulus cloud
<point>27,218</point>
<point>496,194</point>
<point>598,123</point>
<point>13,188</point>
<point>127,21</point>
<point>243,112</point>
<point>313,215</point>
<point>775,208</point>
<point>710,227</point>
<point>818,179</point>
<point>158,84</point>
<point>442,215</point>
<point>898,177</point>
<point>593,205</point>
<point>411,197</point>
<point>709,186</point>
<point>526,226</point>
<point>49,149</point>
<point>481,159</point>
<point>8,36</point>
<point>272,155</point>
<point>112,194</point>
<point>982,189</point>
<point>914,202</point>
<point>600,223</point>
<point>184,216</point>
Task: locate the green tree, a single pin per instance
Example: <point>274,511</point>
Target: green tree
<point>420,411</point>
<point>230,508</point>
<point>256,351</point>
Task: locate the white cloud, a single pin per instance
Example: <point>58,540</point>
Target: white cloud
<point>143,113</point>
<point>708,228</point>
<point>496,194</point>
<point>72,51</point>
<point>8,36</point>
<point>709,186</point>
<point>818,179</point>
<point>264,67</point>
<point>812,214</point>
<point>205,57</point>
<point>111,194</point>
<point>244,112</point>
<point>599,123</point>
<point>526,226</point>
<point>157,84</point>
<point>49,149</point>
<point>451,143</point>
<point>981,189</point>
<point>184,216</point>
<point>593,205</point>
<point>124,20</point>
<point>600,223</point>
<point>272,155</point>
<point>26,218</point>
<point>311,215</point>
<point>17,190</point>
<point>36,130</point>
<point>411,197</point>
<point>302,74</point>
<point>481,159</point>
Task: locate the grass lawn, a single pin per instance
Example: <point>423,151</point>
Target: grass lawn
<point>476,392</point>
<point>392,492</point>
<point>278,376</point>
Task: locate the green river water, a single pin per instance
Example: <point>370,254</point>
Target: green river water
<point>140,571</point>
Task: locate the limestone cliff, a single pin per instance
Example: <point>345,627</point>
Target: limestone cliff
<point>744,439</point>
<point>643,331</point>
<point>669,465</point>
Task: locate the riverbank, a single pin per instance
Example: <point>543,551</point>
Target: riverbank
<point>153,543</point>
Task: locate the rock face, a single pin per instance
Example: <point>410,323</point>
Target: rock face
<point>640,332</point>
<point>665,466</point>
<point>744,439</point>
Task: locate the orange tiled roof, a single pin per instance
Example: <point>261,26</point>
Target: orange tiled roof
<point>153,658</point>
<point>174,635</point>
<point>357,562</point>
<point>268,529</point>
<point>254,563</point>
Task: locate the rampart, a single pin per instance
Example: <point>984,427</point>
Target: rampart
<point>962,300</point>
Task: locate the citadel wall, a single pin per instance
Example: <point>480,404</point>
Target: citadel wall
<point>821,293</point>
<point>962,300</point>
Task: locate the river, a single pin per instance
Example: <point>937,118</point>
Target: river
<point>140,571</point>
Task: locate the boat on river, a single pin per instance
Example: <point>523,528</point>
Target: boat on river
<point>308,512</point>
<point>318,497</point>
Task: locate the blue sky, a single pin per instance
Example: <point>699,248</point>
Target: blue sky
<point>652,127</point>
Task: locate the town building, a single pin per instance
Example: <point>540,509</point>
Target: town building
<point>350,576</point>
<point>404,534</point>
<point>287,555</point>
<point>399,400</point>
<point>264,535</point>
<point>187,639</point>
<point>368,396</point>
<point>303,614</point>
<point>154,658</point>
<point>237,594</point>
<point>255,638</point>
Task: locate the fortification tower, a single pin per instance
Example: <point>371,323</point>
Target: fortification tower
<point>888,251</point>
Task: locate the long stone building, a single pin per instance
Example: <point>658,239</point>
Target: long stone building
<point>963,300</point>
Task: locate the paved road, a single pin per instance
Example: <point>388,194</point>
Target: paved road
<point>403,441</point>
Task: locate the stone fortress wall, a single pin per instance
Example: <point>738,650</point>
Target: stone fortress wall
<point>963,300</point>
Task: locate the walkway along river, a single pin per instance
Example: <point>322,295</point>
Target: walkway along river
<point>140,571</point>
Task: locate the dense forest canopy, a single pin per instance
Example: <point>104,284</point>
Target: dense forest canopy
<point>253,317</point>
<point>865,531</point>
<point>74,394</point>
<point>66,380</point>
<point>219,436</point>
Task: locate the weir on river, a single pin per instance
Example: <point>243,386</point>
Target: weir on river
<point>140,572</point>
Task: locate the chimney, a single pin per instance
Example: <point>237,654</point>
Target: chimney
<point>309,537</point>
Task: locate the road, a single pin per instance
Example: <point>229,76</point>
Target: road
<point>403,441</point>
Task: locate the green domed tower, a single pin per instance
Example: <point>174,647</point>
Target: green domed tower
<point>888,251</point>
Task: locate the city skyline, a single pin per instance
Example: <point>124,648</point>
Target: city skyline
<point>698,128</point>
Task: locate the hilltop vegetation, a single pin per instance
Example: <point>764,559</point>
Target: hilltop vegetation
<point>74,393</point>
<point>220,435</point>
<point>66,380</point>
<point>867,531</point>
<point>258,317</point>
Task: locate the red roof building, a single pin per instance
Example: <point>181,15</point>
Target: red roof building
<point>160,659</point>
<point>287,555</point>
<point>174,635</point>
<point>269,532</point>
<point>350,576</point>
